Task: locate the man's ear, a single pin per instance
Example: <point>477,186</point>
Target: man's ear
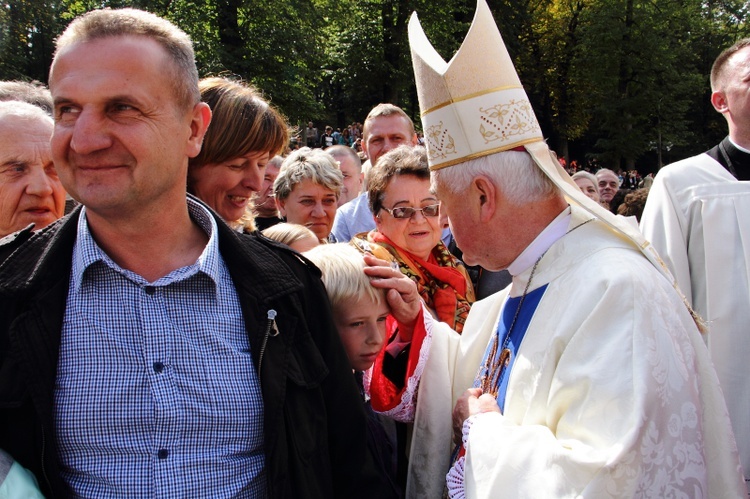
<point>485,192</point>
<point>719,101</point>
<point>201,117</point>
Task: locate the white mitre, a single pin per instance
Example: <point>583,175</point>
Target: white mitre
<point>475,106</point>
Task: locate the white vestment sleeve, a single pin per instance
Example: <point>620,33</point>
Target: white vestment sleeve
<point>665,225</point>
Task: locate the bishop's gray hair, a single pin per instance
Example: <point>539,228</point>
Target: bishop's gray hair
<point>514,173</point>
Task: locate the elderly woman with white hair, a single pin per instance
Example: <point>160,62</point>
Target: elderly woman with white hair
<point>588,184</point>
<point>307,190</point>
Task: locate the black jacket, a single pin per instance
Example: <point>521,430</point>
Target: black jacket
<point>314,424</point>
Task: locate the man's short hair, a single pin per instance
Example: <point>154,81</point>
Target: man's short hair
<point>275,161</point>
<point>107,23</point>
<point>601,171</point>
<point>343,275</point>
<point>514,173</point>
<point>401,161</point>
<point>339,151</point>
<point>717,70</point>
<point>241,122</point>
<point>385,109</point>
<point>308,164</point>
<point>19,110</point>
<point>33,92</point>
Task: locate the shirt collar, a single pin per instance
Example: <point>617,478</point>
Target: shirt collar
<point>86,251</point>
<point>554,231</point>
<point>738,147</point>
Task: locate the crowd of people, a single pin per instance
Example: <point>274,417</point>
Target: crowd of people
<point>351,136</point>
<point>197,302</point>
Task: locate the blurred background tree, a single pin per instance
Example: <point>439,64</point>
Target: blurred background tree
<point>624,82</point>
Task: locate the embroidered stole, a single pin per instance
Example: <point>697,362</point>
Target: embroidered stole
<point>525,315</point>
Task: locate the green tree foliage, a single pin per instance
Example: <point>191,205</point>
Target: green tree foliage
<point>27,32</point>
<point>625,81</point>
<point>644,75</point>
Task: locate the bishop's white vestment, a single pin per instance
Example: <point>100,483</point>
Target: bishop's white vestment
<point>611,392</point>
<point>698,218</point>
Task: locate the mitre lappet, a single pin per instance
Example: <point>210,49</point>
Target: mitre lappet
<point>475,106</point>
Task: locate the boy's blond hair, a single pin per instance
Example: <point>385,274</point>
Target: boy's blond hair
<point>343,274</point>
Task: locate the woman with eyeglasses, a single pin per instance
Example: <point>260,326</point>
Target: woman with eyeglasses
<point>408,232</point>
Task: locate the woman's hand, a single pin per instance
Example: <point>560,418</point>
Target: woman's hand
<point>401,293</point>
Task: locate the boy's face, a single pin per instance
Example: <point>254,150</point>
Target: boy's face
<point>361,326</point>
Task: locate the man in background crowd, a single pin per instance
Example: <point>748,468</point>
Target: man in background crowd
<point>609,184</point>
<point>311,135</point>
<point>386,127</point>
<point>351,166</point>
<point>327,139</point>
<point>264,203</point>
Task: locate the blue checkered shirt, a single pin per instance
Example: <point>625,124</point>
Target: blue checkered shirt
<point>156,393</point>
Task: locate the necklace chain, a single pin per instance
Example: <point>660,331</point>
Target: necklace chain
<point>492,372</point>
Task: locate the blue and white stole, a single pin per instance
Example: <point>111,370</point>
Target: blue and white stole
<point>529,305</point>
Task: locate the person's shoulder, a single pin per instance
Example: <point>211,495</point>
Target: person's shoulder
<point>268,253</point>
<point>614,264</point>
<point>12,242</point>
<point>348,208</point>
<point>27,255</point>
<point>694,169</point>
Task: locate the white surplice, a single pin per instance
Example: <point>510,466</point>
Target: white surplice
<point>612,393</point>
<point>698,218</point>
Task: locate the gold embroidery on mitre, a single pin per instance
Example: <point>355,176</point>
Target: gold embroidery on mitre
<point>440,144</point>
<point>505,121</point>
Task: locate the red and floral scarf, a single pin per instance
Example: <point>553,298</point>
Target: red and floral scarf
<point>442,280</point>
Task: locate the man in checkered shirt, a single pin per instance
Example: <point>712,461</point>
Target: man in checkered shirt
<point>146,349</point>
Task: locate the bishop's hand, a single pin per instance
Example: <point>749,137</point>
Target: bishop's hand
<point>472,402</point>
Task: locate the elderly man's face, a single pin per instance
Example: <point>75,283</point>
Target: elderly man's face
<point>608,186</point>
<point>122,140</point>
<point>30,191</point>
<point>463,223</point>
<point>494,242</point>
<point>265,202</point>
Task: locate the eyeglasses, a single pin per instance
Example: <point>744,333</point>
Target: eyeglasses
<point>403,212</point>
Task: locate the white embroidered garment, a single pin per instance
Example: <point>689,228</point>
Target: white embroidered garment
<point>697,218</point>
<point>612,393</point>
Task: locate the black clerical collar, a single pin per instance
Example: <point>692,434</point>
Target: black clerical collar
<point>736,161</point>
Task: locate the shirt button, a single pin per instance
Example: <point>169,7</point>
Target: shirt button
<point>163,453</point>
<point>149,290</point>
<point>158,367</point>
